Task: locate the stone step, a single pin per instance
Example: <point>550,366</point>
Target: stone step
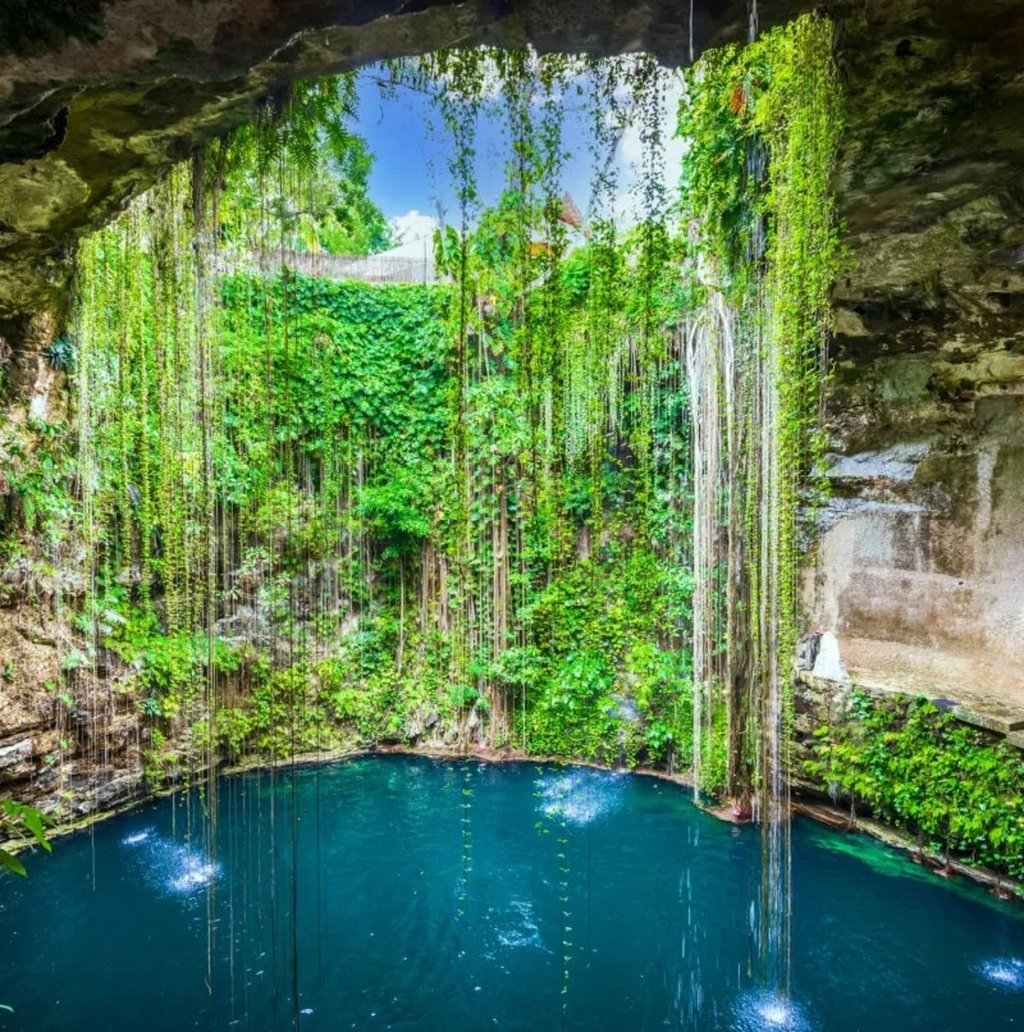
<point>1003,720</point>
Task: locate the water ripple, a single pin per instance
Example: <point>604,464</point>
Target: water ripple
<point>517,928</point>
<point>1003,973</point>
<point>580,796</point>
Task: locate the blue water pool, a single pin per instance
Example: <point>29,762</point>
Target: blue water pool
<point>406,893</point>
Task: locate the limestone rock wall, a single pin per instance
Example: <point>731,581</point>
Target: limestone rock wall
<point>920,566</point>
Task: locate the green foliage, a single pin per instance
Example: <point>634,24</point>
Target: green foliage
<point>371,361</point>
<point>35,485</point>
<point>957,789</point>
<point>26,823</point>
<point>297,176</point>
<point>60,355</point>
<point>160,761</point>
<point>598,632</point>
<point>336,509</point>
<point>397,511</point>
<point>319,512</point>
<point>761,125</point>
<point>169,666</point>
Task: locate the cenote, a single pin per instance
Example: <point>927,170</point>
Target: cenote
<point>503,396</point>
<point>443,895</point>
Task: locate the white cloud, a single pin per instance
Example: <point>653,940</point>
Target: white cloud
<point>412,226</point>
<point>627,204</point>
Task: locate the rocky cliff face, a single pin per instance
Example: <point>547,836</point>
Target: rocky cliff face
<point>920,560</point>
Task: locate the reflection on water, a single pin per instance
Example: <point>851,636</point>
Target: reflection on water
<point>1004,972</point>
<point>759,1011</point>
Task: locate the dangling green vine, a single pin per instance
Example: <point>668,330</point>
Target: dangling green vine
<point>463,513</point>
<point>761,126</point>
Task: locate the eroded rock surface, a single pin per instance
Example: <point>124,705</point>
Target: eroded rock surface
<point>920,567</point>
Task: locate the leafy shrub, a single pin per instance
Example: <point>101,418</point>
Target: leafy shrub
<point>954,787</point>
<point>60,355</point>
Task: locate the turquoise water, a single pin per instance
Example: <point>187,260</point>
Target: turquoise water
<point>432,895</point>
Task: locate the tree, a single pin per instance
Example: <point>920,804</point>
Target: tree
<point>296,176</point>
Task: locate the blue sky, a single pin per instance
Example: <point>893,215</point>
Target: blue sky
<point>410,143</point>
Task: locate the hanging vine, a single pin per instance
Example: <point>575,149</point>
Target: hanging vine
<point>481,512</point>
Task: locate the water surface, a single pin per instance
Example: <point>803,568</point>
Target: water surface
<point>405,893</point>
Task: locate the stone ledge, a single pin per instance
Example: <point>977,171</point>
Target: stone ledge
<point>997,719</point>
<point>16,753</point>
<point>983,689</point>
<point>988,714</point>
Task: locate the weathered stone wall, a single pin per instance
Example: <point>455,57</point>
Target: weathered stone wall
<point>920,569</point>
<point>69,746</point>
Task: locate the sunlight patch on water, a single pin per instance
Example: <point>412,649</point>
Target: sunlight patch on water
<point>758,1011</point>
<point>192,872</point>
<point>580,797</point>
<point>172,866</point>
<point>1004,973</point>
<point>517,928</point>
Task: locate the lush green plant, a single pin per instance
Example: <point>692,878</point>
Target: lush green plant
<point>955,788</point>
<point>762,124</point>
<point>317,511</point>
<point>25,822</point>
<point>60,354</point>
<point>297,175</point>
<point>36,482</point>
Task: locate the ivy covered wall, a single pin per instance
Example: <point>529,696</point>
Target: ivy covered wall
<point>391,563</point>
